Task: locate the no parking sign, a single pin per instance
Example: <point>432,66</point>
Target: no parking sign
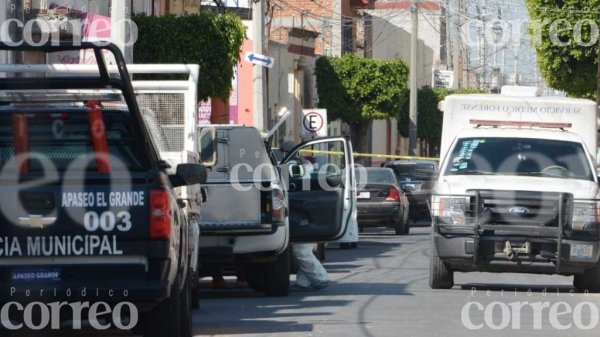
<point>314,123</point>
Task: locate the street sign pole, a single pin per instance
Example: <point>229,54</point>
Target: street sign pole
<point>258,71</point>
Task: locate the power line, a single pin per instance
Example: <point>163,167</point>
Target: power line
<point>331,22</point>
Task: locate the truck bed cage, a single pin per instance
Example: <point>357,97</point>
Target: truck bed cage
<point>102,81</point>
<point>99,82</point>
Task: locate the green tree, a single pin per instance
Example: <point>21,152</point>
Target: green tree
<point>358,90</point>
<point>429,119</point>
<point>568,60</point>
<point>210,40</point>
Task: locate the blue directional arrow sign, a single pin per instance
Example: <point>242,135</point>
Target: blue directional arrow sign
<point>261,60</point>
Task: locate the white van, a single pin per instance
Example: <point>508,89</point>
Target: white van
<point>517,189</point>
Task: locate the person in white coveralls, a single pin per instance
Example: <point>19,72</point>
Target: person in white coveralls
<point>311,274</point>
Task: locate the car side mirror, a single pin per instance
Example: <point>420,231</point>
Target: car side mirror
<point>296,170</point>
<point>188,174</point>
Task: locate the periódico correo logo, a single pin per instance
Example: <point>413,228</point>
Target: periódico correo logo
<point>560,315</point>
<point>39,315</point>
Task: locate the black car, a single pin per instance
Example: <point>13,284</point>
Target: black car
<point>107,226</point>
<point>380,200</point>
<point>416,178</point>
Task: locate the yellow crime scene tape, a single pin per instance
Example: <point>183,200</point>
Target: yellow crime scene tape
<point>372,155</point>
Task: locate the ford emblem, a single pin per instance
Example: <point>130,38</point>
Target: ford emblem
<point>519,210</point>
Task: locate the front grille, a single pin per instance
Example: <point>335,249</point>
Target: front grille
<point>525,208</point>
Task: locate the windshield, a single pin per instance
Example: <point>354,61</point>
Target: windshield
<point>519,156</point>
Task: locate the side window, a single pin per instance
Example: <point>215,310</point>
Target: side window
<point>324,158</point>
<point>207,146</point>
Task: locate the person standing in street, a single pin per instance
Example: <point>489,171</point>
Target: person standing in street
<point>311,274</point>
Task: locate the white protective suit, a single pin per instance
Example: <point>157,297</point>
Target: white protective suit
<point>311,273</point>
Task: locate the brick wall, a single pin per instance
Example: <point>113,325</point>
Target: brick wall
<point>293,7</point>
<point>321,16</point>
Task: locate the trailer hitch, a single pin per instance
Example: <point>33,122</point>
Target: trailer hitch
<point>512,253</point>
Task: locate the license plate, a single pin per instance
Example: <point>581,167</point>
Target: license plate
<point>35,275</point>
<point>582,251</point>
<point>364,195</point>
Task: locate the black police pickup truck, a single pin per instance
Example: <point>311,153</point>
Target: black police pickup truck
<point>89,222</point>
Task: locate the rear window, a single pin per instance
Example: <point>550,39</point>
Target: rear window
<point>64,140</point>
<point>375,176</point>
<point>207,146</point>
<point>413,171</point>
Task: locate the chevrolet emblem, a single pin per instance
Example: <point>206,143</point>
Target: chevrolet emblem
<point>36,221</point>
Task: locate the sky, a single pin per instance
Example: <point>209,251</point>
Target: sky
<point>504,57</point>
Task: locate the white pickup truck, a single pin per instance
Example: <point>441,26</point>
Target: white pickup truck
<point>517,189</point>
<point>257,205</point>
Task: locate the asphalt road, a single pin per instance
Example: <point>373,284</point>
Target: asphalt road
<point>380,289</point>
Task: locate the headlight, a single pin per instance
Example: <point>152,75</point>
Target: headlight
<point>585,216</point>
<point>454,208</point>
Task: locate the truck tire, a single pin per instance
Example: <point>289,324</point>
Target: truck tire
<point>589,280</point>
<point>440,275</point>
<point>186,309</point>
<point>165,319</point>
<point>277,276</point>
<point>401,226</point>
<point>195,285</point>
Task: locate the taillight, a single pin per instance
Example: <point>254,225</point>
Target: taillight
<point>393,195</point>
<point>277,205</point>
<point>160,214</point>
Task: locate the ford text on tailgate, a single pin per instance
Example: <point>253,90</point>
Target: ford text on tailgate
<point>87,209</point>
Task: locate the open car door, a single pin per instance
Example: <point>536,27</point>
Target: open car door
<point>319,177</point>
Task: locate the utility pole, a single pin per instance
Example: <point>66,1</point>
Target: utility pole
<point>3,18</point>
<point>503,58</point>
<point>449,49</point>
<point>412,128</point>
<point>517,45</point>
<point>484,20</point>
<point>481,13</point>
<point>120,11</point>
<point>458,76</point>
<point>598,87</point>
<point>258,71</point>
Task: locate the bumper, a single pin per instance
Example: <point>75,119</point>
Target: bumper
<point>144,283</point>
<point>377,212</point>
<point>144,294</point>
<point>225,247</point>
<point>462,250</point>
